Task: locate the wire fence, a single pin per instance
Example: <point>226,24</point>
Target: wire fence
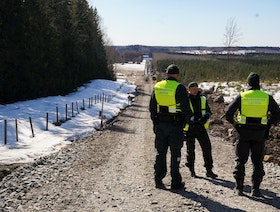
<point>62,114</point>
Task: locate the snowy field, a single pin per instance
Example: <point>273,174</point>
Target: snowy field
<point>23,147</point>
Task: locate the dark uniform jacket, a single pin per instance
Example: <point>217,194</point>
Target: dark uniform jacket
<point>196,104</point>
<point>180,97</point>
<point>258,130</point>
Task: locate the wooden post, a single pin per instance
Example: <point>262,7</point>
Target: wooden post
<point>30,120</point>
<point>83,108</point>
<point>66,112</point>
<point>77,108</point>
<point>72,109</point>
<point>102,112</point>
<point>5,132</point>
<point>47,121</point>
<point>56,114</point>
<point>16,130</point>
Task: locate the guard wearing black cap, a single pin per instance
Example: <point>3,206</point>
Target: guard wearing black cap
<point>169,108</point>
<point>197,130</point>
<point>252,124</point>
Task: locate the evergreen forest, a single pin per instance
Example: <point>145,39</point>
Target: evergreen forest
<point>221,68</point>
<point>49,47</point>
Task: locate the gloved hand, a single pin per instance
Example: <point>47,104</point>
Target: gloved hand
<point>187,134</point>
<point>266,136</point>
<point>155,122</point>
<point>203,120</point>
<point>154,128</point>
<point>235,125</point>
<point>192,125</point>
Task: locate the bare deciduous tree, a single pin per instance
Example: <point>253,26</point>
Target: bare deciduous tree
<point>231,38</point>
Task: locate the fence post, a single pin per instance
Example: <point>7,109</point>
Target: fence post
<point>102,112</point>
<point>47,121</point>
<point>56,114</point>
<point>16,130</point>
<point>77,107</point>
<point>72,109</point>
<point>66,112</point>
<point>31,127</point>
<point>5,132</point>
<point>83,108</point>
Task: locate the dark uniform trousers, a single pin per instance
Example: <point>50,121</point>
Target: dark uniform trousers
<point>199,132</point>
<point>168,134</point>
<point>250,141</point>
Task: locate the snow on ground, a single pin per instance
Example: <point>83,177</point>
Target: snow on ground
<point>130,66</point>
<point>232,89</point>
<point>79,122</point>
<point>27,148</point>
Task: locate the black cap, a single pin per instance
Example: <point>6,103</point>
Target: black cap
<point>192,84</point>
<point>253,79</point>
<point>172,69</point>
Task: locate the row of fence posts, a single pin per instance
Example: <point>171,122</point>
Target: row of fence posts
<point>99,98</point>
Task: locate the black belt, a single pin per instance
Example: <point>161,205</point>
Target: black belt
<point>167,118</point>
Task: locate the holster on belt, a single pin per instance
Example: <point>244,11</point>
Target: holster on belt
<point>168,118</point>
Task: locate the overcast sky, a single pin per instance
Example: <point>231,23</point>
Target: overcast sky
<point>189,23</point>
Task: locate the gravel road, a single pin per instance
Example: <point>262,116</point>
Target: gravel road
<point>112,170</point>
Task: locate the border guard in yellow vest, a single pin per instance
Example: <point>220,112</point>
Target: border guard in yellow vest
<point>169,109</point>
<point>257,110</point>
<point>197,130</point>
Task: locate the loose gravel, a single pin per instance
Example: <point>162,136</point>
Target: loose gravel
<point>112,170</point>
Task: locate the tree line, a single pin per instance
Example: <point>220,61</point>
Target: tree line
<point>215,68</point>
<point>49,48</point>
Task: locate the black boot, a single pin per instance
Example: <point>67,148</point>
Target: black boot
<point>192,172</point>
<point>239,187</point>
<point>256,188</point>
<point>159,183</point>
<point>180,185</point>
<point>191,168</point>
<point>211,174</point>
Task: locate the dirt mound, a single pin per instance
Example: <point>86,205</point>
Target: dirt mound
<point>221,128</point>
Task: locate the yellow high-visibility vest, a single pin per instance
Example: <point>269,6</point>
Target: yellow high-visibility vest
<point>254,104</point>
<point>203,111</point>
<point>165,92</point>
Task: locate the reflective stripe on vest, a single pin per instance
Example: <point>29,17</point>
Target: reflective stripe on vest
<point>203,111</point>
<point>165,92</point>
<point>254,104</point>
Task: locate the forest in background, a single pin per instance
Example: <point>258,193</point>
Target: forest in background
<point>49,48</point>
<point>52,47</point>
<point>203,68</point>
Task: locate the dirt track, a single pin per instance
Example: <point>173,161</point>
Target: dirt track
<point>112,170</point>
